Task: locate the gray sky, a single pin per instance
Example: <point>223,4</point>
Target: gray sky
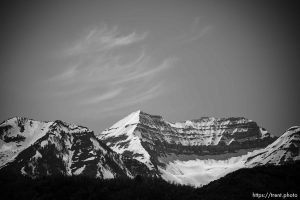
<point>94,62</point>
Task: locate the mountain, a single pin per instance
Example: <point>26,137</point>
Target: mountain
<point>171,148</point>
<point>17,134</point>
<point>201,171</point>
<point>36,148</point>
<point>193,152</point>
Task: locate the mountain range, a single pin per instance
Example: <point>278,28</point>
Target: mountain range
<point>193,152</point>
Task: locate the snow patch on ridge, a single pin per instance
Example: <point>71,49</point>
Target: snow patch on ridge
<point>98,146</point>
<point>79,170</point>
<point>107,174</point>
<point>37,155</point>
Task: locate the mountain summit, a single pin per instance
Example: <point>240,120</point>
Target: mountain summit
<point>147,137</point>
<point>159,144</point>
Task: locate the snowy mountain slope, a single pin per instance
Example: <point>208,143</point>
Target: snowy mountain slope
<point>17,134</point>
<point>198,172</point>
<point>68,149</point>
<point>148,138</point>
<point>284,150</point>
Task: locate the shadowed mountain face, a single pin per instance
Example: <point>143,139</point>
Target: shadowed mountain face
<point>193,152</point>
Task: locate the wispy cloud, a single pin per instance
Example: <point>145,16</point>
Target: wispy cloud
<point>98,40</point>
<point>106,70</point>
<point>67,74</point>
<point>197,31</point>
<point>194,32</point>
<point>103,97</point>
<point>139,74</point>
<point>198,35</point>
<point>142,96</point>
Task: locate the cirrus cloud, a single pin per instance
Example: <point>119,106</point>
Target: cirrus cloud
<point>103,39</point>
<point>104,70</point>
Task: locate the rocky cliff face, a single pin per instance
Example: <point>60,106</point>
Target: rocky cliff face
<point>149,138</point>
<point>201,170</point>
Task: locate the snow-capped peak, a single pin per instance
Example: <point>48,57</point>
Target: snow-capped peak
<point>132,118</point>
<point>122,138</point>
<point>145,137</point>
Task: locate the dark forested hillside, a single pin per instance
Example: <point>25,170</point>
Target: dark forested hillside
<point>244,183</point>
<point>241,184</point>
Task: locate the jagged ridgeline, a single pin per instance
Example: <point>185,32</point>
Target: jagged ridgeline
<point>36,148</point>
<point>193,152</point>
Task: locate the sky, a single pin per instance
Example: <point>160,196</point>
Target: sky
<point>94,62</point>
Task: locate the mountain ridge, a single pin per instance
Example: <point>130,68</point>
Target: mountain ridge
<point>143,127</point>
<point>193,152</point>
<point>65,149</point>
